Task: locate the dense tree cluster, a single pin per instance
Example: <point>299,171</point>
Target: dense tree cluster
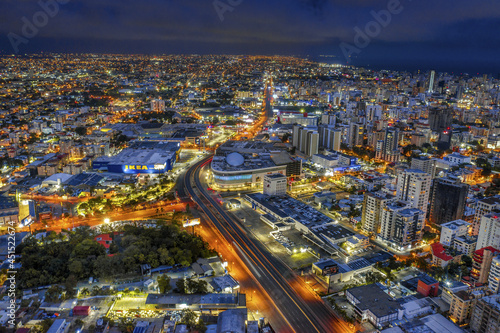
<point>79,255</point>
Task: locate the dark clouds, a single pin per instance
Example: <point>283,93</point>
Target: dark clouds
<point>425,33</point>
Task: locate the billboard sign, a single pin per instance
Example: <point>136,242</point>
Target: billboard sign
<point>191,223</point>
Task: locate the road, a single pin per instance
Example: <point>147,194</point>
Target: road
<point>66,223</point>
<point>302,310</point>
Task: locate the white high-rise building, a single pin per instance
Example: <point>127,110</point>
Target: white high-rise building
<point>494,276</point>
<point>274,184</point>
<point>489,231</point>
<point>373,206</point>
<point>431,81</point>
<point>400,226</point>
<point>484,207</point>
<point>414,186</point>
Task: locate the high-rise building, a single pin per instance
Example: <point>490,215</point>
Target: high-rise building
<point>387,217</point>
<point>448,198</point>
<point>494,276</point>
<point>489,231</point>
<point>389,150</point>
<point>486,315</point>
<point>312,144</point>
<point>483,207</point>
<point>425,164</point>
<point>157,105</point>
<point>373,205</point>
<point>413,186</point>
<point>296,136</point>
<point>481,264</point>
<point>356,134</point>
<point>274,184</point>
<point>440,119</point>
<point>306,139</point>
<point>407,227</point>
<point>431,81</point>
<point>329,137</point>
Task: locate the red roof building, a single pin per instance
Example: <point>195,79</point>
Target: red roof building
<point>104,239</point>
<point>481,263</point>
<point>440,257</point>
<point>81,310</point>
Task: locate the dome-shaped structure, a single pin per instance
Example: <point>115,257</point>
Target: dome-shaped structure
<point>235,159</point>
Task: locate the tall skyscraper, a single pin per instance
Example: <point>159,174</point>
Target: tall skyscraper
<point>413,186</point>
<point>431,81</point>
<point>448,198</point>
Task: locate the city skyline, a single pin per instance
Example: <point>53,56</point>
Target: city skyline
<point>448,36</point>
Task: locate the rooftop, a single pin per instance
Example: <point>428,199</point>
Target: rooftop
<point>371,297</point>
<point>454,225</point>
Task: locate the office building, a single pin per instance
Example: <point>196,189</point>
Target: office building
<point>453,229</point>
<point>413,186</point>
<point>275,184</point>
<point>483,207</point>
<point>373,205</point>
<point>486,315</point>
<point>448,200</point>
<point>489,231</point>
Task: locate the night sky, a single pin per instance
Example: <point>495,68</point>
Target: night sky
<point>451,35</point>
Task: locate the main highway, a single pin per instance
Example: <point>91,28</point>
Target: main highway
<point>300,310</point>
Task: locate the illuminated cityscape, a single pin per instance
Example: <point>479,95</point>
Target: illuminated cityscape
<point>202,190</point>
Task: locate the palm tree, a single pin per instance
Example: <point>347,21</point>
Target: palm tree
<point>85,291</point>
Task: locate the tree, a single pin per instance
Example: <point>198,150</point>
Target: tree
<point>180,285</point>
<point>81,131</point>
<point>164,283</point>
<point>189,318</point>
<point>85,291</point>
